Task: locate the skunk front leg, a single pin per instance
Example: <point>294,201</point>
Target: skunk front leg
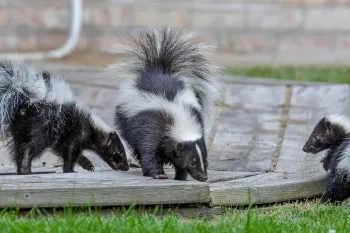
<point>24,159</point>
<point>85,163</point>
<point>337,188</point>
<point>23,162</point>
<point>69,158</point>
<point>180,174</point>
<point>152,166</point>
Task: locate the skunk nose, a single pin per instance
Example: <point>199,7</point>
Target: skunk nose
<point>123,167</point>
<point>304,149</point>
<point>204,178</point>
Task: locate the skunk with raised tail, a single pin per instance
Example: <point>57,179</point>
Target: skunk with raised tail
<point>38,112</point>
<point>165,98</point>
<point>332,133</point>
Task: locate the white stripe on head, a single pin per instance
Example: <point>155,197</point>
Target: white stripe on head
<point>340,120</point>
<point>200,156</point>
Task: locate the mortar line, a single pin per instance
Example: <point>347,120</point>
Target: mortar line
<point>216,121</point>
<point>283,127</point>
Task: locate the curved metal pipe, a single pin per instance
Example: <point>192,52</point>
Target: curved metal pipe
<point>64,50</point>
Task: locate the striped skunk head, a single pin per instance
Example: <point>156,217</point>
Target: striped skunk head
<point>329,131</point>
<point>192,157</point>
<point>112,151</point>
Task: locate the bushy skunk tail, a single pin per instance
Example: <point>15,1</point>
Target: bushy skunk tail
<point>23,84</point>
<point>174,52</point>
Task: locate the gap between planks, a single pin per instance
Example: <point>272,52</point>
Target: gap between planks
<point>283,127</point>
<point>216,121</point>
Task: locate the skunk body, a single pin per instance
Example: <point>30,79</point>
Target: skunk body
<point>332,133</point>
<point>38,112</point>
<point>165,98</point>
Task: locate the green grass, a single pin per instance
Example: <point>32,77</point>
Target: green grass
<point>307,217</point>
<point>315,74</point>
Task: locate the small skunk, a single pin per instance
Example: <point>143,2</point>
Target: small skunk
<point>38,112</point>
<point>165,98</point>
<point>333,133</point>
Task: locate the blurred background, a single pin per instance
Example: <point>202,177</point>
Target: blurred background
<point>246,32</point>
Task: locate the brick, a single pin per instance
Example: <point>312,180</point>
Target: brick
<point>274,17</point>
<point>96,16</point>
<point>155,16</point>
<point>306,2</point>
<point>3,17</point>
<point>252,43</point>
<point>306,43</point>
<point>51,40</point>
<point>55,18</point>
<point>105,42</point>
<point>27,17</point>
<point>116,14</point>
<point>3,47</point>
<point>343,43</point>
<point>328,18</point>
<point>216,19</point>
<point>183,18</point>
<point>12,43</point>
<point>342,1</point>
<point>28,43</point>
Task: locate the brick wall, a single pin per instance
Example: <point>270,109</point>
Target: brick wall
<point>239,27</point>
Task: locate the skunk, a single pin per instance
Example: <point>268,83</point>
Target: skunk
<point>165,98</point>
<point>332,133</point>
<point>38,112</point>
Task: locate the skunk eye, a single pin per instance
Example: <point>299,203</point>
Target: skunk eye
<point>192,163</point>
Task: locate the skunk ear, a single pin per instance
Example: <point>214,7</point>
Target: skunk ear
<point>328,127</point>
<point>46,74</point>
<point>179,147</point>
<point>108,139</point>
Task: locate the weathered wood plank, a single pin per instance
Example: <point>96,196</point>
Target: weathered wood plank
<point>106,114</point>
<point>308,105</point>
<point>248,127</point>
<point>106,98</point>
<point>81,189</point>
<point>85,94</point>
<point>267,188</point>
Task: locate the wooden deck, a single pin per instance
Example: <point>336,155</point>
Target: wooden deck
<point>254,144</point>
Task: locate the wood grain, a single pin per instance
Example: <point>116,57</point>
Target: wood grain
<point>267,188</point>
<point>49,190</point>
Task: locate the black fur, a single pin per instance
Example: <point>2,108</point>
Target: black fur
<point>337,181</point>
<point>145,134</point>
<point>335,139</point>
<point>65,129</point>
<point>168,87</point>
<point>31,120</point>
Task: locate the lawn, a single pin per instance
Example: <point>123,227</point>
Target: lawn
<point>316,74</point>
<point>305,217</point>
<point>298,217</point>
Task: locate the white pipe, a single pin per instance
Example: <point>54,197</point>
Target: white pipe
<point>62,51</point>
